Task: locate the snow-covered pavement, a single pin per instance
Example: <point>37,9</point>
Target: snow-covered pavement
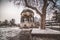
<point>11,32</point>
<point>53,26</point>
<point>8,32</point>
<point>46,31</point>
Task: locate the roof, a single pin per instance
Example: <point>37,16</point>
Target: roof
<point>27,10</point>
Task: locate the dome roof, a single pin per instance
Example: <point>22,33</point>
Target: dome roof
<point>27,12</point>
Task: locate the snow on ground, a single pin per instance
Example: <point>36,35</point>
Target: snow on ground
<point>46,31</point>
<point>13,31</point>
<point>8,32</point>
<point>53,26</point>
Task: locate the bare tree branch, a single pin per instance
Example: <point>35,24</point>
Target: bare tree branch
<point>32,7</point>
<point>53,3</point>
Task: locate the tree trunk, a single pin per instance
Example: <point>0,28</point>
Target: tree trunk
<point>43,17</point>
